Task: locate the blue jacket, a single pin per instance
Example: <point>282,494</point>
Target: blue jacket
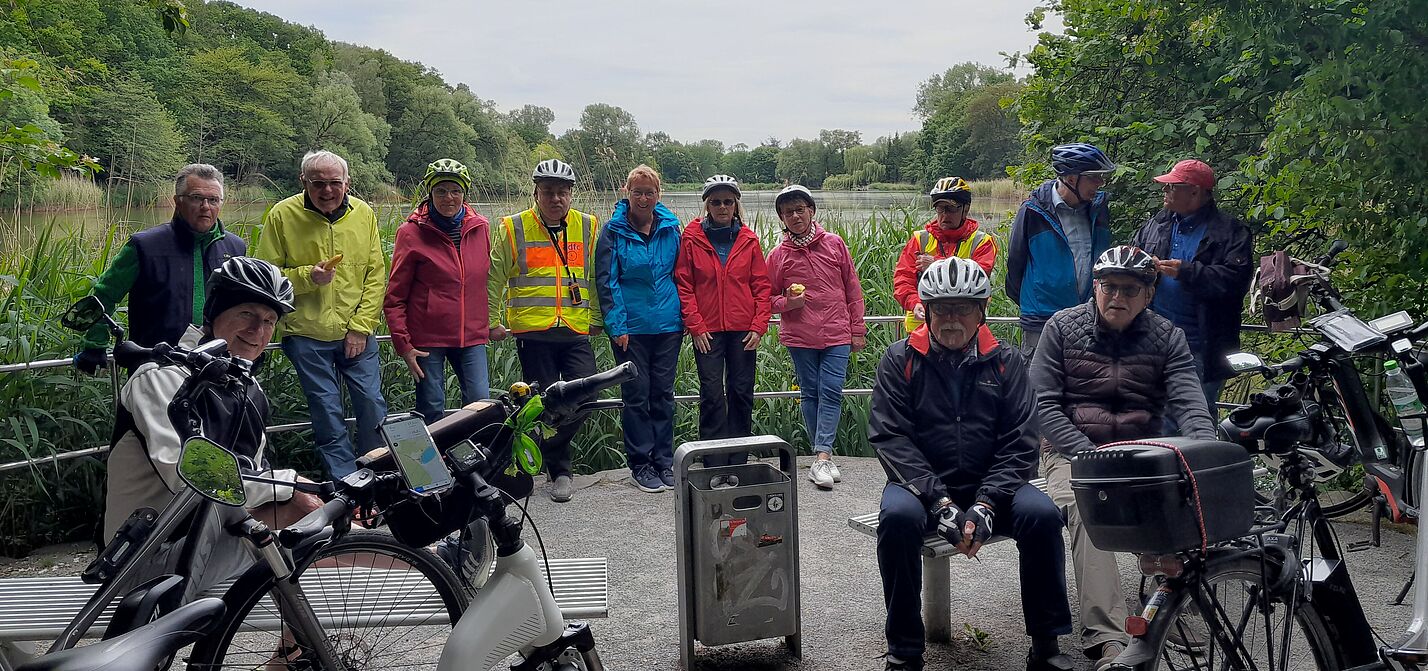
<point>1041,271</point>
<point>635,278</point>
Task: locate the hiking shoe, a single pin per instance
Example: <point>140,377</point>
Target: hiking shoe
<point>646,480</point>
<point>899,664</point>
<point>821,473</point>
<point>561,489</point>
<point>667,477</point>
<point>723,481</point>
<point>1109,651</point>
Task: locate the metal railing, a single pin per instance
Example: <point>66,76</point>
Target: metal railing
<point>45,364</point>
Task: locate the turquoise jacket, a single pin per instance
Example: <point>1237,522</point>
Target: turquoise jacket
<point>635,276</point>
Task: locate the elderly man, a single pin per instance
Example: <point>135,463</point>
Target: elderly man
<point>1056,236</point>
<point>950,233</point>
<point>326,244</point>
<point>542,269</point>
<point>953,426</point>
<point>1204,257</point>
<point>1105,371</point>
<point>163,269</point>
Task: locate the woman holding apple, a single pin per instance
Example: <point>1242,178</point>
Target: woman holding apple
<point>820,299</point>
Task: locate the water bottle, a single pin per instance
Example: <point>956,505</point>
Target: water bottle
<point>1405,401</point>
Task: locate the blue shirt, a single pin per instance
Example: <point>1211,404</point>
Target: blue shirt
<point>1171,298</point>
<point>1076,225</point>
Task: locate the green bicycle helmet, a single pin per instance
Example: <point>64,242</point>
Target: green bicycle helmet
<point>446,170</point>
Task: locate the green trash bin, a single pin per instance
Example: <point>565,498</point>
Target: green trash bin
<point>738,546</point>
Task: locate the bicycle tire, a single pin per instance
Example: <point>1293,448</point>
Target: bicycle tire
<point>1183,640</point>
<point>354,567</point>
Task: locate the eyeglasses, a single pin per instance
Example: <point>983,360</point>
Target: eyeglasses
<point>644,193</point>
<point>320,184</point>
<point>797,211</point>
<point>722,202</point>
<point>447,193</point>
<point>1177,188</point>
<point>948,208</point>
<point>950,309</point>
<point>1125,290</point>
<point>212,201</point>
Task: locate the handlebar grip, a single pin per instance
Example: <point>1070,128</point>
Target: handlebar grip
<point>1337,247</point>
<point>574,391</point>
<point>314,522</point>
<point>131,355</point>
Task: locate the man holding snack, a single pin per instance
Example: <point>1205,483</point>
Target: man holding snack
<point>326,244</point>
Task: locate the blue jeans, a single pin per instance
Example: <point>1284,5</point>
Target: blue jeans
<point>1034,522</point>
<point>318,364</point>
<point>821,373</point>
<point>648,415</point>
<point>469,364</point>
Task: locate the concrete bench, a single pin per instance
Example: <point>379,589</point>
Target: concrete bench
<point>936,573</point>
<point>38,609</point>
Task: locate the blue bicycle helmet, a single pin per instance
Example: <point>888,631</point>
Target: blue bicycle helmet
<point>1079,158</point>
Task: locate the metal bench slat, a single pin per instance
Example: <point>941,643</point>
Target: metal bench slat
<point>39,608</point>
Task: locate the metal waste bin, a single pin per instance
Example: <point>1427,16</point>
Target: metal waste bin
<point>738,547</point>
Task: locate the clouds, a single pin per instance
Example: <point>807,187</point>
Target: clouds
<point>737,71</point>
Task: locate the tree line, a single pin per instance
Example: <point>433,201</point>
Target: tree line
<point>144,86</point>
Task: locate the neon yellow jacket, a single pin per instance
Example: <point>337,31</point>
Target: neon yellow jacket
<point>295,238</point>
<point>529,288</point>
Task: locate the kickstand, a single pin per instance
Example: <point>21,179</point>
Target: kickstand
<point>1403,593</point>
<point>1375,529</point>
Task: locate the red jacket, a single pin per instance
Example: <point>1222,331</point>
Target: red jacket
<point>714,296</point>
<point>905,275</point>
<point>436,298</point>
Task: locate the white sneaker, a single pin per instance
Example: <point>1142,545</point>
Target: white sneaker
<point>837,475</point>
<point>821,473</point>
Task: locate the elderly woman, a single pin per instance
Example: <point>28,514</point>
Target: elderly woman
<point>634,275</point>
<point>436,303</point>
<point>724,296</point>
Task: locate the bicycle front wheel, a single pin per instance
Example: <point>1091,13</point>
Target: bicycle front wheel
<point>381,604</point>
<point>1248,626</point>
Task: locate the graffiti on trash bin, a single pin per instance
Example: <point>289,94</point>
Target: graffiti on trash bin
<point>751,581</point>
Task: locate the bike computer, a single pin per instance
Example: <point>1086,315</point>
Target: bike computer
<point>464,455</point>
<point>420,464</point>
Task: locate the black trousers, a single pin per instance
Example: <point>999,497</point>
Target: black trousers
<point>648,415</point>
<point>726,392</point>
<point>544,362</point>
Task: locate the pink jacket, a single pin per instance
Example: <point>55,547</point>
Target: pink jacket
<point>832,312</point>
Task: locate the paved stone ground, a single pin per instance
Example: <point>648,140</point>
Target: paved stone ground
<point>842,597</point>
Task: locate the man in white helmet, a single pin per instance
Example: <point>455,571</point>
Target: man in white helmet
<point>542,265</point>
<point>952,424</point>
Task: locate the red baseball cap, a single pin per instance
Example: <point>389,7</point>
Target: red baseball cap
<point>1190,171</point>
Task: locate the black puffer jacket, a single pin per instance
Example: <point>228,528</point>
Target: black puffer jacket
<point>960,426</point>
<point>1096,386</point>
<point>1217,278</point>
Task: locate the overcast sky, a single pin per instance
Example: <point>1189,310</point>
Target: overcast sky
<point>735,70</point>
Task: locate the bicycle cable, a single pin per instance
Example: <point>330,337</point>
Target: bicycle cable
<point>526,516</point>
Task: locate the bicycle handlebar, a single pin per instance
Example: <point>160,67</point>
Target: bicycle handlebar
<point>315,521</point>
<point>562,397</point>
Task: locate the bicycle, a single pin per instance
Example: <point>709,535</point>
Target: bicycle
<point>146,648</point>
<point>513,612</point>
<point>1363,460</point>
<point>280,575</point>
<point>1261,600</point>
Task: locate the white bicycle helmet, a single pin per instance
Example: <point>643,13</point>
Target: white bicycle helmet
<point>720,181</point>
<point>954,277</point>
<point>794,192</point>
<point>554,168</point>
<point>1126,260</point>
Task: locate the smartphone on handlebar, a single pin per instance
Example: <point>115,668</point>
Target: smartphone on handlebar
<point>422,468</point>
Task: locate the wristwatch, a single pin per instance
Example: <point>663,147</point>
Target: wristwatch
<point>939,505</point>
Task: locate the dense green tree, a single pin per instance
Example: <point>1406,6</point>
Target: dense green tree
<point>1311,112</point>
<point>335,121</point>
<point>605,145</point>
<point>941,90</point>
<point>131,133</point>
<point>803,162</point>
<point>427,130</point>
<point>242,121</point>
<point>709,154</point>
<point>531,123</point>
<point>676,164</point>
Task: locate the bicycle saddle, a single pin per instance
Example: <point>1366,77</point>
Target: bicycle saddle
<point>140,650</point>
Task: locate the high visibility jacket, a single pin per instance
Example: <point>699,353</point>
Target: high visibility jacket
<point>976,245</point>
<point>530,282</point>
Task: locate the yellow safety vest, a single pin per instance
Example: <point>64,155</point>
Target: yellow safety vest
<point>538,296</point>
<point>929,245</point>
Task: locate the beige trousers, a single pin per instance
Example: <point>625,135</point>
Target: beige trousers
<point>1098,580</point>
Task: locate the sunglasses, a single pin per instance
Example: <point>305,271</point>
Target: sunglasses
<point>950,309</point>
<point>722,202</point>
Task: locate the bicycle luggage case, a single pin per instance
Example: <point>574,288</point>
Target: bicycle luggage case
<point>1137,497</point>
